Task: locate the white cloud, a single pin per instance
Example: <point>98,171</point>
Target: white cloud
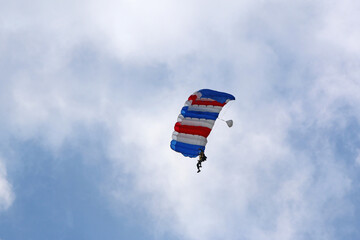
<point>285,63</point>
<point>254,185</point>
<point>6,194</point>
<point>357,159</point>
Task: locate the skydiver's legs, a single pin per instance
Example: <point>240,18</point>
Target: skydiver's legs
<point>198,165</point>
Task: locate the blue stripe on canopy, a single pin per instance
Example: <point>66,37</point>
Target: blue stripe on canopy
<point>188,150</point>
<point>198,114</point>
<point>215,95</point>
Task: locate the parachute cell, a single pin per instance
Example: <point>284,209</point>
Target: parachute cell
<point>196,121</point>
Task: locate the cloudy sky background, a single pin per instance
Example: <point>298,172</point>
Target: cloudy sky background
<point>90,92</point>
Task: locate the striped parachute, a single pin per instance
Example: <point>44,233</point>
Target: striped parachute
<point>196,120</point>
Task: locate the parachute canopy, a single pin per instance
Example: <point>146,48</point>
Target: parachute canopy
<point>196,120</point>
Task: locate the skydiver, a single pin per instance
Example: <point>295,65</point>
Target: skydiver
<point>202,158</point>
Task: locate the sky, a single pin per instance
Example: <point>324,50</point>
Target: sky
<point>90,92</point>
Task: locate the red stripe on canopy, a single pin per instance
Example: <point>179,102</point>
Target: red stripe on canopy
<point>195,130</point>
<point>194,100</point>
<point>203,102</point>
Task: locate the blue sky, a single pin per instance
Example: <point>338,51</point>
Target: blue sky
<point>90,92</point>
